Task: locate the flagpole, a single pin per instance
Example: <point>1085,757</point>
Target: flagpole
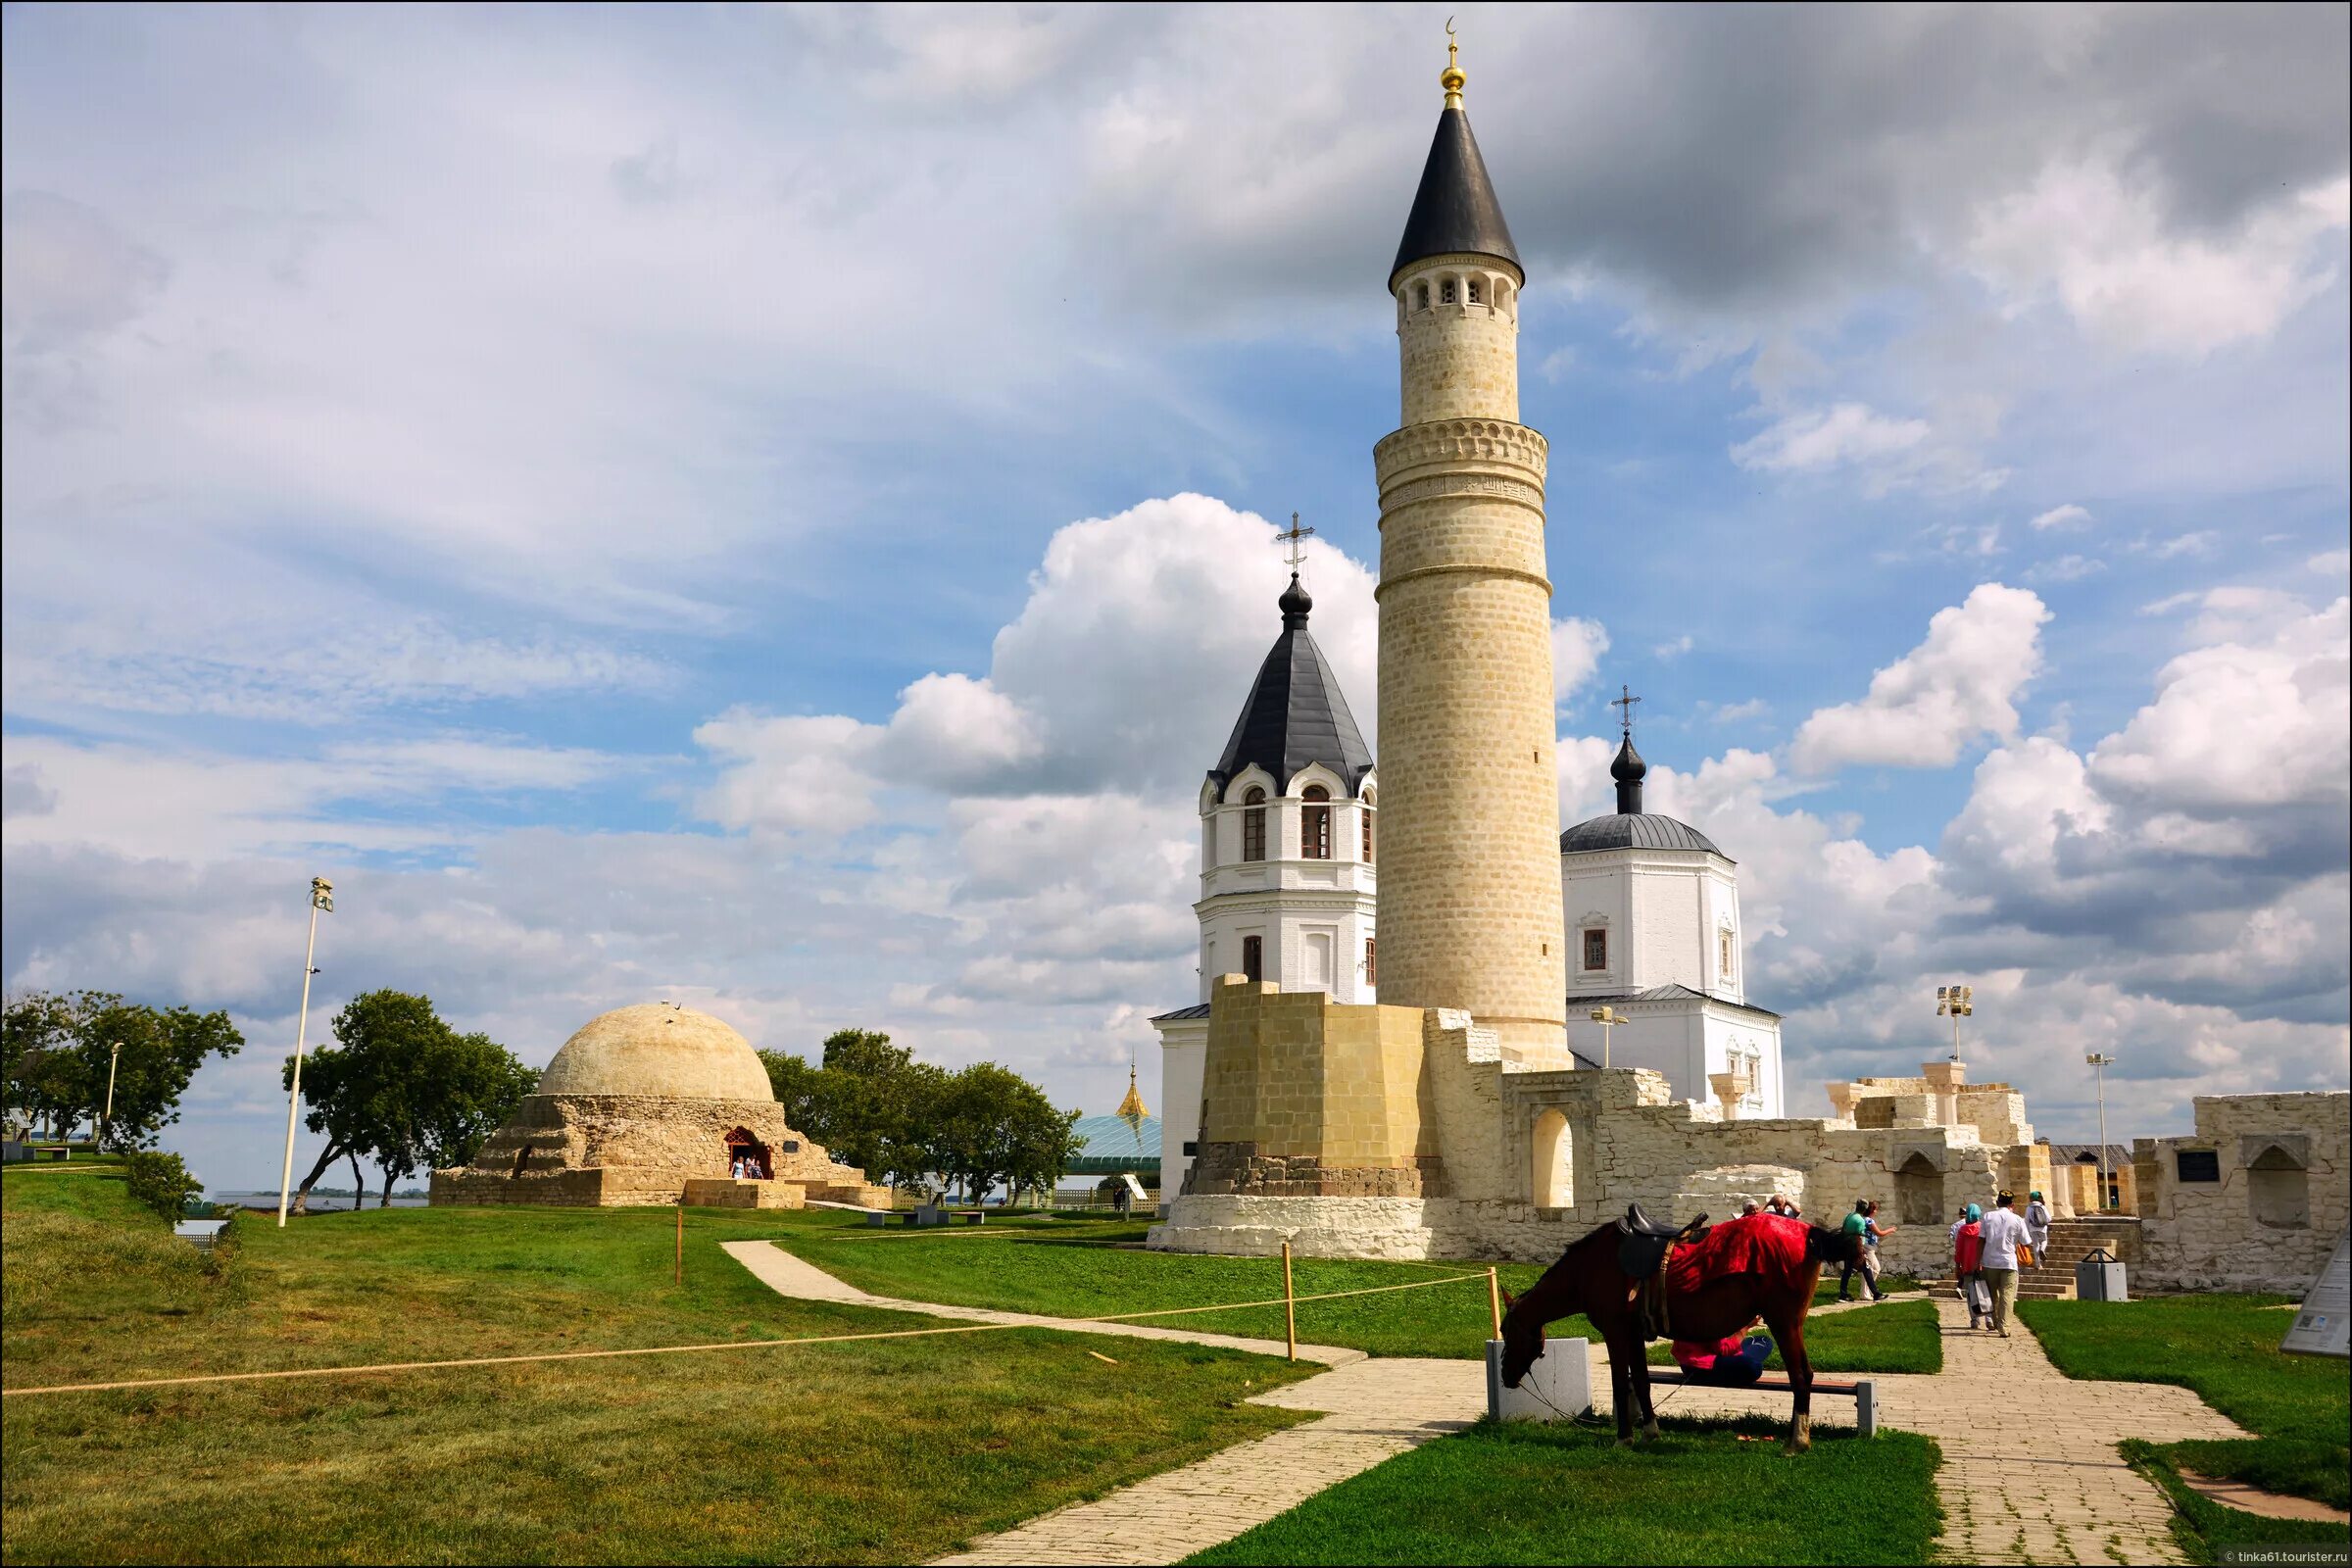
<point>322,899</point>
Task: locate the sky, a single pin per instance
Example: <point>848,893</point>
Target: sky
<point>775,508</point>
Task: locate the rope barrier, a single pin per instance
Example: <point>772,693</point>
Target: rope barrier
<point>688,1349</point>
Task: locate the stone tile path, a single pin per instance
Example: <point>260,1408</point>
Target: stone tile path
<point>2031,1473</point>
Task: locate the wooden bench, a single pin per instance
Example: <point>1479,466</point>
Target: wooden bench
<point>1862,1391</point>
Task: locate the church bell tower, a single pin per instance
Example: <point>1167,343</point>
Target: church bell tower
<point>1470,907</point>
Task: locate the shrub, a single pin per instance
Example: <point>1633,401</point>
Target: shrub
<point>161,1183</point>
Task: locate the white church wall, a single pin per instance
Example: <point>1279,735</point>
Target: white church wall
<point>1183,1056</point>
<point>1669,926</point>
<point>1722,917</point>
<point>1595,895</point>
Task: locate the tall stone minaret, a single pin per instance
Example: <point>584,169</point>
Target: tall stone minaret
<point>1470,879</point>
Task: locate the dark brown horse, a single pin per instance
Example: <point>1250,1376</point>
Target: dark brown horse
<point>1588,1279</point>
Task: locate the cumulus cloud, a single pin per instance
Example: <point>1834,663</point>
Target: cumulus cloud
<point>2067,515</point>
<point>1828,438</point>
<point>2103,250</point>
<point>1925,709</point>
<point>68,273</point>
<point>1577,644</point>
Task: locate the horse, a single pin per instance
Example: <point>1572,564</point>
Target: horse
<point>1588,1279</point>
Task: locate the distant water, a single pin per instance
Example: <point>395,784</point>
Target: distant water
<point>320,1203</point>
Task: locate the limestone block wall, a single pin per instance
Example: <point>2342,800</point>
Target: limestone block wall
<point>2282,1197</point>
<point>1470,907</point>
<point>1458,359</point>
<point>1305,1097</point>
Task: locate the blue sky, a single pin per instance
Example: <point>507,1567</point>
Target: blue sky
<point>770,506</point>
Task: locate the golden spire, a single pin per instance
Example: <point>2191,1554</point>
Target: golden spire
<point>1453,78</point>
<point>1132,1107</point>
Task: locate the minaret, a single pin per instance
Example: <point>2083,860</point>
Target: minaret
<point>1470,885</point>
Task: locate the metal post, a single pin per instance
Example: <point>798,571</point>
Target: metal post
<point>1495,1299</point>
<point>678,1271</point>
<point>1290,1307</point>
<point>106,1122</point>
<point>309,954</point>
<point>2099,1062</point>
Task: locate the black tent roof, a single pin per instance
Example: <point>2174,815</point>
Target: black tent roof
<point>1454,212</point>
<point>1295,713</point>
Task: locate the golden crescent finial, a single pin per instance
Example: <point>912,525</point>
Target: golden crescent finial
<point>1453,78</point>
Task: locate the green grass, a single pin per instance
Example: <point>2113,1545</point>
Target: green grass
<point>888,1450</point>
<point>1075,1271</point>
<point>2226,1347</point>
<point>2206,1529</point>
<point>1893,1337</point>
<point>1554,1494</point>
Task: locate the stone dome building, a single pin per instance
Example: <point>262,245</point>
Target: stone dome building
<point>654,1104</point>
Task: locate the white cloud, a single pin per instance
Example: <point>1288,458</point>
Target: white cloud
<point>1815,439</point>
<point>1577,644</point>
<point>1922,709</point>
<point>2329,562</point>
<point>2065,568</point>
<point>2238,725</point>
<point>1672,649</point>
<point>2067,515</point>
<point>2104,252</point>
<point>1736,712</point>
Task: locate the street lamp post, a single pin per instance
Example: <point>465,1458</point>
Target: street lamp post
<point>1608,1018</point>
<point>1955,1003</point>
<point>322,902</point>
<point>2099,1062</point>
<point>106,1121</point>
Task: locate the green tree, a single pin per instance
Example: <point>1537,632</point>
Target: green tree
<point>404,1089</point>
<point>804,1093</point>
<point>62,1048</point>
<point>990,1125</point>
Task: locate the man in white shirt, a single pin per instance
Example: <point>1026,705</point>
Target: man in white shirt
<point>2004,1232</point>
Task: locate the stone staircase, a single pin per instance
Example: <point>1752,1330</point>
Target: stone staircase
<point>2052,1276</point>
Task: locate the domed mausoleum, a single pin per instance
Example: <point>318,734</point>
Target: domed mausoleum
<point>655,1103</point>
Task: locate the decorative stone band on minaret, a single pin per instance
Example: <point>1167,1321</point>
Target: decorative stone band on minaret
<point>1470,908</point>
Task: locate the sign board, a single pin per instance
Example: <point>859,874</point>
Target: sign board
<point>2323,1327</point>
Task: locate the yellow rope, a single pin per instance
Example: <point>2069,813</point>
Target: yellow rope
<point>683,1350</point>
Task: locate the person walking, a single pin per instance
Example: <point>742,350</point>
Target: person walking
<point>1856,1225</point>
<point>2003,1233</point>
<point>2038,1226</point>
<point>1968,1264</point>
<point>1872,1233</point>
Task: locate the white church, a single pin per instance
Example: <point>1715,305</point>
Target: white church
<point>1289,895</point>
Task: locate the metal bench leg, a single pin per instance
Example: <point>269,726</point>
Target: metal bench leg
<point>1866,1407</point>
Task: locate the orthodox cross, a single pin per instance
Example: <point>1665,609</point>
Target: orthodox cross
<point>1626,699</point>
<point>1295,539</point>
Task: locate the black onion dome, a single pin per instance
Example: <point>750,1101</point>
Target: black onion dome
<point>1296,714</point>
<point>1627,769</point>
<point>1455,211</point>
<point>1634,830</point>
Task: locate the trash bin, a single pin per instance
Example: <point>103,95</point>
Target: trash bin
<point>2100,1277</point>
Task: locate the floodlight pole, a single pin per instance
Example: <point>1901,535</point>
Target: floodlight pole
<point>106,1121</point>
<point>321,899</point>
<point>2099,1062</point>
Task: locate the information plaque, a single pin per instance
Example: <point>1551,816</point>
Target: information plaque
<point>2321,1327</point>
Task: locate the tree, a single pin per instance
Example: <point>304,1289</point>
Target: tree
<point>870,1102</point>
<point>403,1088</point>
<point>161,1183</point>
<point>62,1048</point>
<point>992,1125</point>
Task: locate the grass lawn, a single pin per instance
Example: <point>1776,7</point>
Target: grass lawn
<point>1557,1494</point>
<point>1893,1337</point>
<point>887,1451</point>
<point>1071,1270</point>
<point>2227,1348</point>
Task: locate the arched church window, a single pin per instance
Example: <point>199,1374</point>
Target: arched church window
<point>1254,959</point>
<point>1365,816</point>
<point>1253,825</point>
<point>1724,955</point>
<point>1596,948</point>
<point>1445,292</point>
<point>1315,824</point>
<point>1371,960</point>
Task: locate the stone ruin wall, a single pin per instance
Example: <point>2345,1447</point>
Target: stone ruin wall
<point>616,1151</point>
<point>2270,1221</point>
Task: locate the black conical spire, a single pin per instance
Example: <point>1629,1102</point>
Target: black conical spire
<point>1454,212</point>
<point>1295,713</point>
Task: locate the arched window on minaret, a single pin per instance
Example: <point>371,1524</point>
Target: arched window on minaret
<point>1366,817</point>
<point>1315,834</point>
<point>1253,825</point>
<point>1421,297</point>
<point>1473,287</point>
<point>1445,292</point>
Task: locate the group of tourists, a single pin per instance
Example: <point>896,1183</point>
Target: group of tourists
<point>1864,1222</point>
<point>1989,1249</point>
<point>748,1168</point>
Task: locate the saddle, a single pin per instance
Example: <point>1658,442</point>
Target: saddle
<point>1643,1247</point>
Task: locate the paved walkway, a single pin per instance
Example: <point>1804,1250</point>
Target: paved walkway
<point>2031,1473</point>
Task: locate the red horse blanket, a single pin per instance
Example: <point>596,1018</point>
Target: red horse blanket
<point>1770,1245</point>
